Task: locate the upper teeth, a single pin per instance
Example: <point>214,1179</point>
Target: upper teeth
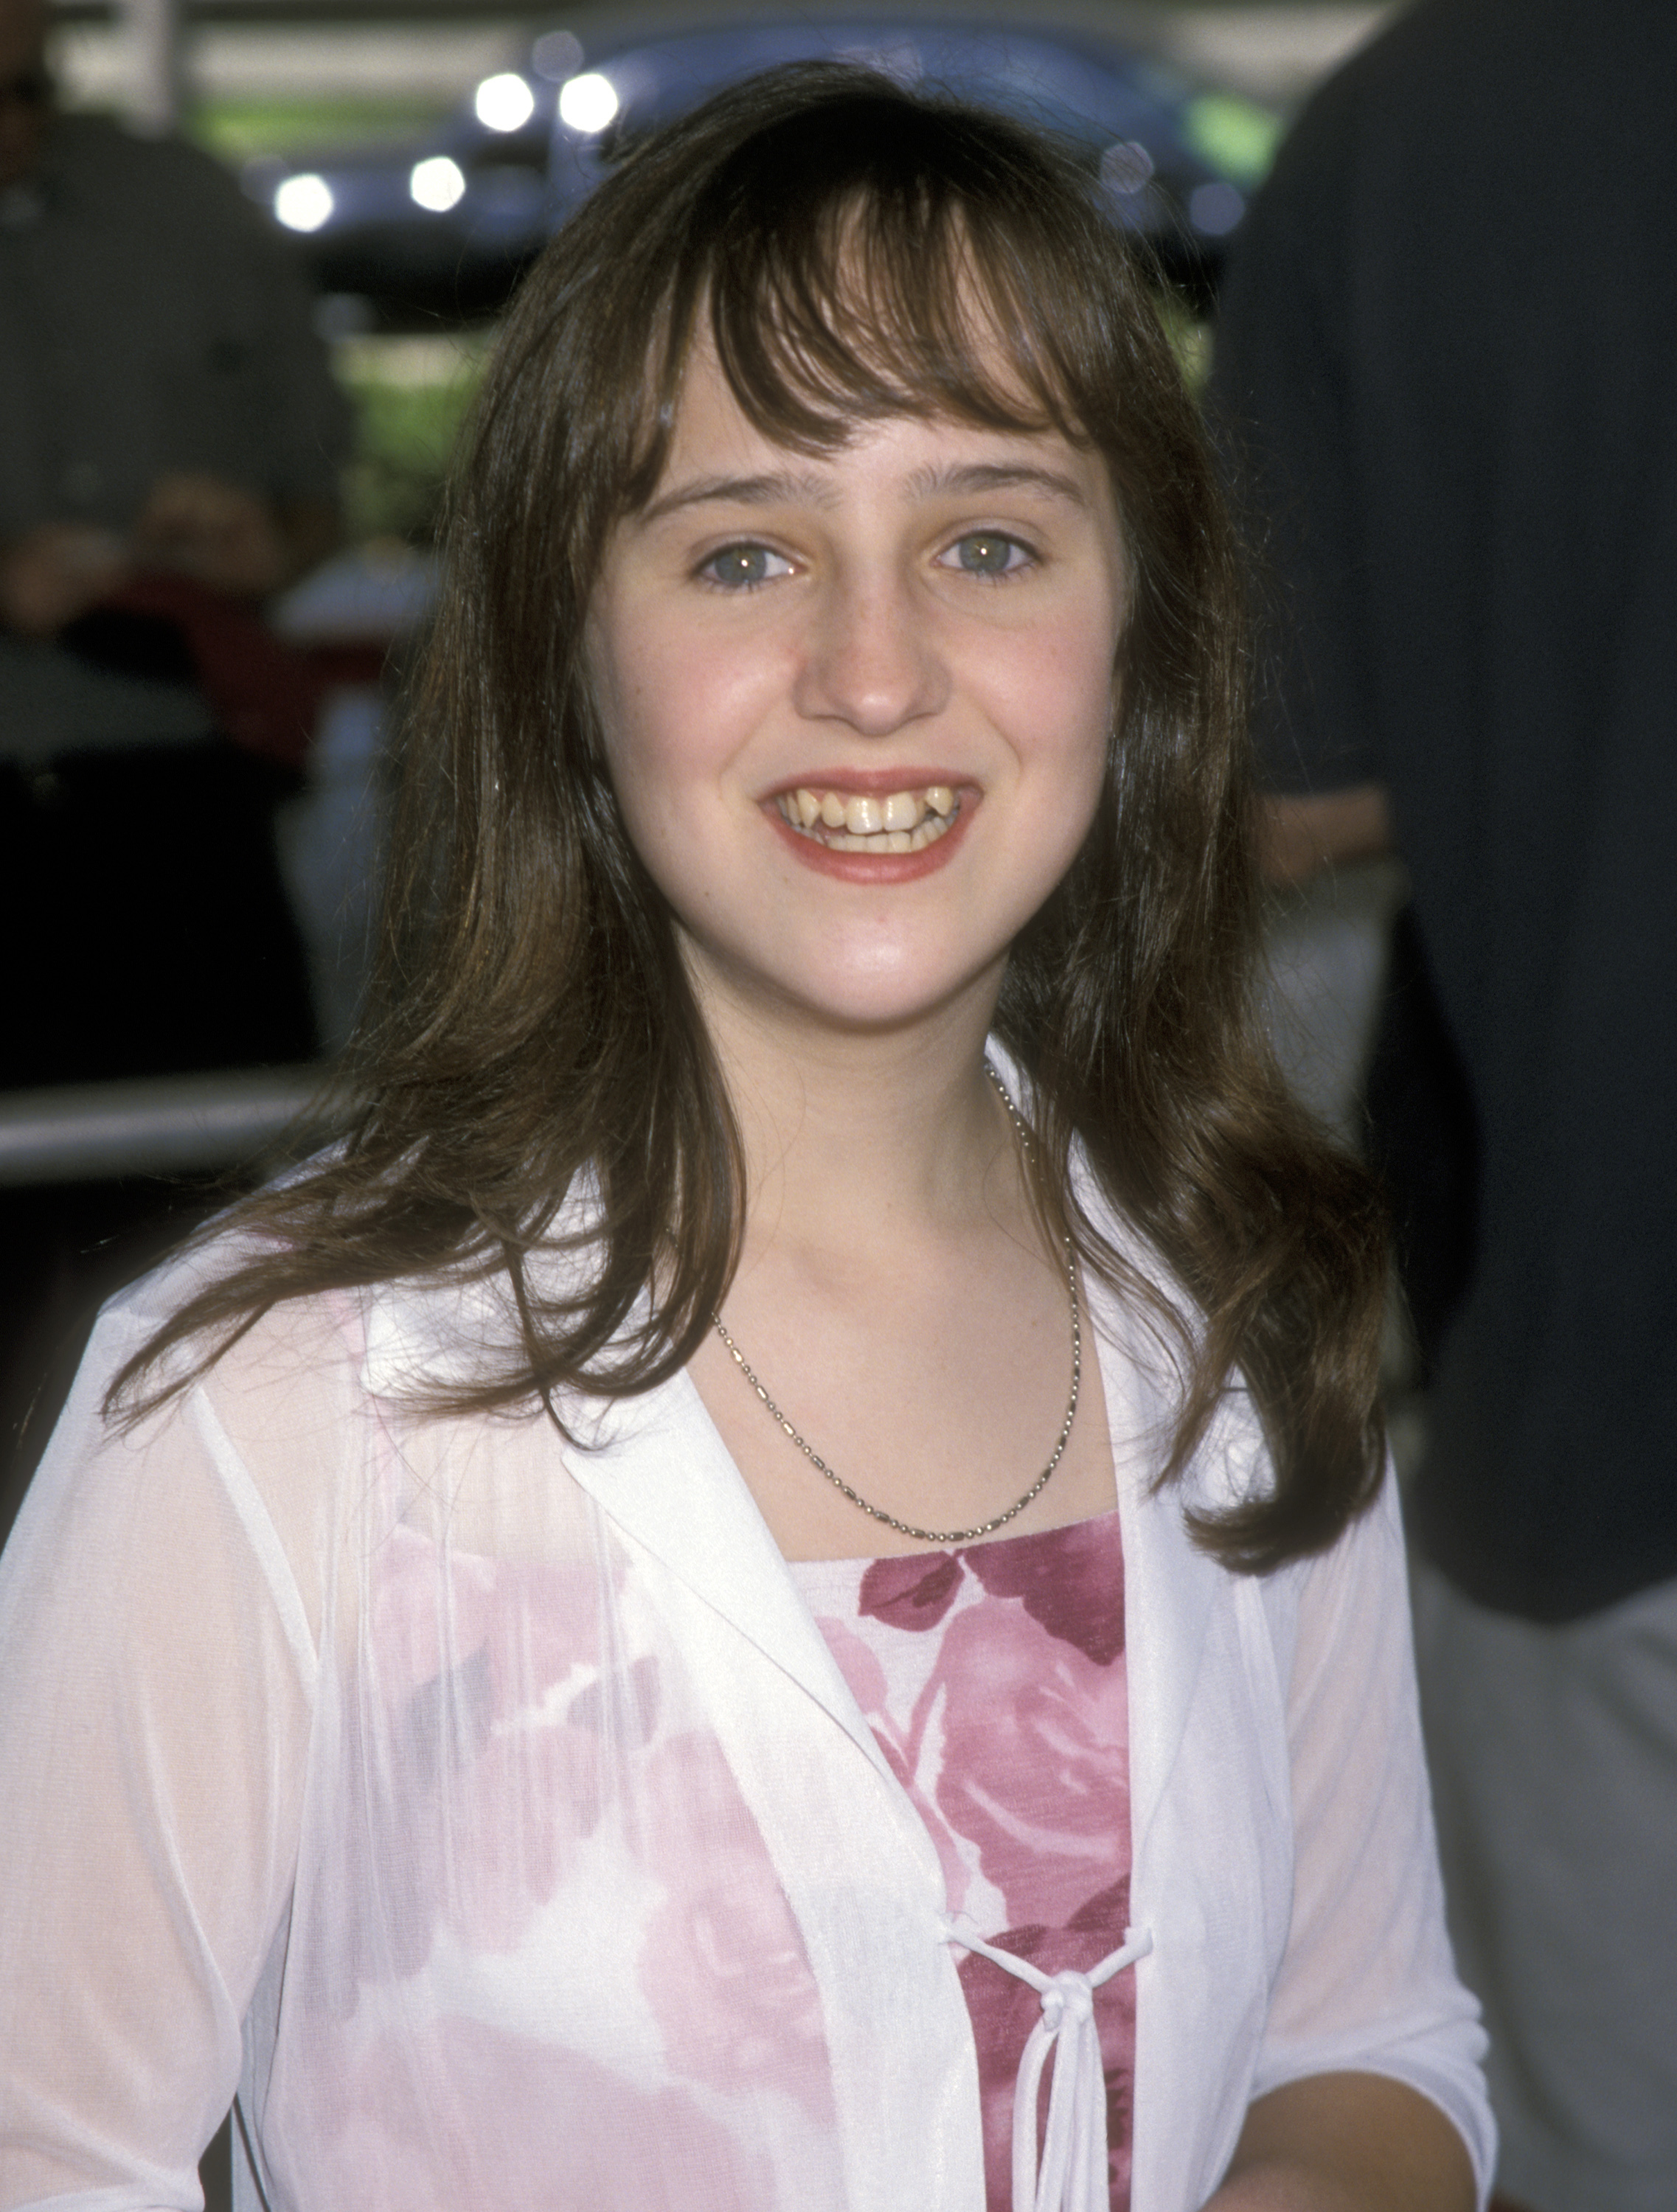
<point>861,816</point>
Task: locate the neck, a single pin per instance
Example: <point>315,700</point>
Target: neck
<point>863,1137</point>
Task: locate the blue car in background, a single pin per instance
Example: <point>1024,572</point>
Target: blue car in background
<point>443,229</point>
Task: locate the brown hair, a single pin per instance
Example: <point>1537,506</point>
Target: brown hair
<point>538,1037</point>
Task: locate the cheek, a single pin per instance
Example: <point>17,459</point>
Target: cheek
<point>628,726</point>
<point>1063,696</point>
<point>1101,684</point>
<point>1072,707</point>
<point>676,713</point>
<point>635,700</point>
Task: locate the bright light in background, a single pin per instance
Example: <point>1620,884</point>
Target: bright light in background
<point>588,102</point>
<point>438,183</point>
<point>1126,168</point>
<point>303,203</point>
<point>557,55</point>
<point>504,102</point>
<point>1214,209</point>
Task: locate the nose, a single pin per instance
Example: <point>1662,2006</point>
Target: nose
<point>871,657</point>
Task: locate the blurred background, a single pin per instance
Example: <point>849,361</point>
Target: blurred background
<point>407,147</point>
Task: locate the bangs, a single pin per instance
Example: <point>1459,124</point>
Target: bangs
<point>877,257</point>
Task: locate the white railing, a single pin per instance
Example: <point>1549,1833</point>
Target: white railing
<point>163,1125</point>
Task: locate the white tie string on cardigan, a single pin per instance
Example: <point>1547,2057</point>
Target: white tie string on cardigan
<point>1073,2175</point>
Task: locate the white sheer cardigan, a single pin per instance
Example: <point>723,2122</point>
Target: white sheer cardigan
<point>490,1814</point>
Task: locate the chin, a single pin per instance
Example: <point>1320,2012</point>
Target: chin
<point>850,980</point>
<point>857,1005</point>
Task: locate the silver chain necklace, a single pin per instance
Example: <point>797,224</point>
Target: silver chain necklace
<point>905,1527</point>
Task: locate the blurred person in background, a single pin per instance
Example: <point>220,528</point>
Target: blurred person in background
<point>170,442</point>
<point>170,439</point>
<point>1450,347</point>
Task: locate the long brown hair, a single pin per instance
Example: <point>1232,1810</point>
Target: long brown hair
<point>854,251</point>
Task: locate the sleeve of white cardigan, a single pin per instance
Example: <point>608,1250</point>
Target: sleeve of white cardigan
<point>157,1657</point>
<point>1367,1983</point>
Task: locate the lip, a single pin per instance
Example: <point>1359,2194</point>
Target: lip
<point>876,868</point>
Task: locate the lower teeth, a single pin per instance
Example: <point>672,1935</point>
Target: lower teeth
<point>879,841</point>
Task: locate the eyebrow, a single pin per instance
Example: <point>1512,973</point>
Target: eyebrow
<point>783,487</point>
<point>768,490</point>
<point>997,476</point>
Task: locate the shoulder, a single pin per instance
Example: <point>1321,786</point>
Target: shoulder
<point>1144,1318</point>
<point>400,1341</point>
<point>1432,104</point>
<point>96,154</point>
<point>1148,1331</point>
<point>294,1376</point>
<point>1365,141</point>
<point>232,1476</point>
<point>159,204</point>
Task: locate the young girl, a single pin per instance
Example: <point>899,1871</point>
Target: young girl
<point>771,1589</point>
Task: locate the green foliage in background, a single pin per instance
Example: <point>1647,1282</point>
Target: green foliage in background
<point>1190,335</point>
<point>1234,134</point>
<point>239,130</point>
<point>410,396</point>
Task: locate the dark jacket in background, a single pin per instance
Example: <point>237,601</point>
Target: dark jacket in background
<point>1450,343</point>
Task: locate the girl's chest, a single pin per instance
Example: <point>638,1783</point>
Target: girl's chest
<point>993,1679</point>
<point>594,1848</point>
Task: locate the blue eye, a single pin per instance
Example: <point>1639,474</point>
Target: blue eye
<point>988,553</point>
<point>739,567</point>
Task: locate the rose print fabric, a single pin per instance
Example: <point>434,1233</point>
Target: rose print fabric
<point>489,1854</point>
<point>993,1680</point>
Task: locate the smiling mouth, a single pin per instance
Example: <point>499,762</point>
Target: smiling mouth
<point>895,822</point>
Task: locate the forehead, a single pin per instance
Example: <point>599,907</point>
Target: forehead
<point>715,449</point>
<point>856,314</point>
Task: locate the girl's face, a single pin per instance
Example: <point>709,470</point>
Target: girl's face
<point>856,706</point>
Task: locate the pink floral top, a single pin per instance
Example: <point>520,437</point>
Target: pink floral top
<point>993,1680</point>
